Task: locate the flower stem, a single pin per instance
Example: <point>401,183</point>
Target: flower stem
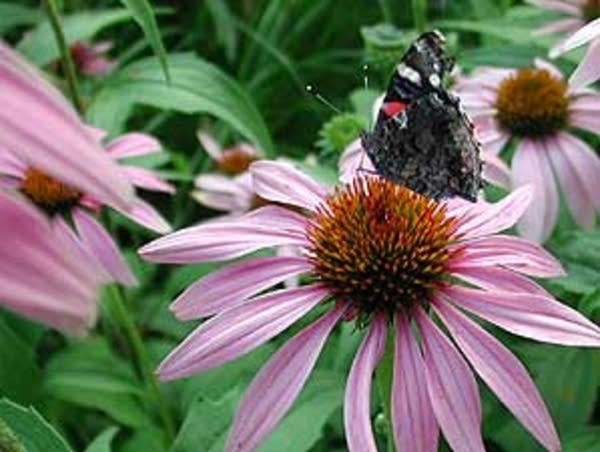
<point>384,386</point>
<point>125,322</point>
<point>68,65</point>
<point>419,10</point>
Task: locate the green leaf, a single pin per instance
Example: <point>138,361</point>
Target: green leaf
<point>102,442</point>
<point>586,440</point>
<point>196,87</point>
<point>14,15</point>
<point>40,47</point>
<point>19,373</point>
<point>90,375</point>
<point>32,430</point>
<point>148,439</point>
<point>206,423</point>
<point>144,16</point>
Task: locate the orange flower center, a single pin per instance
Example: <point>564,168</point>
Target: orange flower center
<point>235,160</point>
<point>591,10</point>
<point>381,247</point>
<point>533,103</point>
<point>47,192</point>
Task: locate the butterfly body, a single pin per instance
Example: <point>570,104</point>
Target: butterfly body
<point>422,138</point>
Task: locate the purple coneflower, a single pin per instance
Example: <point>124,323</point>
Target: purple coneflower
<point>579,13</point>
<point>386,258</point>
<point>230,187</point>
<point>538,108</point>
<point>90,59</point>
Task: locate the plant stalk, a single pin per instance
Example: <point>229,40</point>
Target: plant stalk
<point>419,10</point>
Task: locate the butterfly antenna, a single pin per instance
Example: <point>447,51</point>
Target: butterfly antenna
<point>311,90</point>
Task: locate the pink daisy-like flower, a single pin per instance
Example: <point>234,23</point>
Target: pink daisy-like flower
<point>90,59</point>
<point>386,258</point>
<point>60,144</point>
<point>579,13</point>
<point>538,108</point>
<point>230,188</point>
<point>588,70</point>
<point>59,199</point>
<point>43,273</point>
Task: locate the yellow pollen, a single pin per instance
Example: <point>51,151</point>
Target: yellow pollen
<point>381,247</point>
<point>591,10</point>
<point>46,191</point>
<point>235,160</point>
<point>533,103</point>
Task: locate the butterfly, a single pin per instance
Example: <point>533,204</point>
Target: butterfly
<point>422,138</point>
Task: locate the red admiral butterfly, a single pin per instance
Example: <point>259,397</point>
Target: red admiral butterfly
<point>422,138</point>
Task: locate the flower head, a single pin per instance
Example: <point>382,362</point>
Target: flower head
<point>230,188</point>
<point>538,108</point>
<point>384,257</point>
<point>91,59</point>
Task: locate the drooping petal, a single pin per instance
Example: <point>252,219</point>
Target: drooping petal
<point>529,315</point>
<point>59,144</point>
<point>281,182</point>
<point>496,171</point>
<point>530,165</point>
<point>10,165</point>
<point>147,179</point>
<point>239,330</point>
<point>210,145</point>
<point>585,34</point>
<point>493,143</point>
<point>503,373</point>
<point>540,63</point>
<point>573,187</point>
<point>481,219</point>
<point>353,159</point>
<point>588,70</point>
<point>559,26</point>
<point>452,389</point>
<point>511,252</point>
<point>584,111</point>
<point>233,285</point>
<point>415,427</point>
<point>222,240</point>
<point>147,216</point>
<point>95,238</point>
<point>557,5</point>
<point>41,276</point>
<point>585,162</point>
<point>278,384</point>
<point>357,400</point>
<point>496,278</point>
<point>133,144</point>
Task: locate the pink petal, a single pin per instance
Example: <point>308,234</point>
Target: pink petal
<point>540,63</point>
<point>573,187</point>
<point>588,70</point>
<point>239,330</point>
<point>10,165</point>
<point>95,238</point>
<point>133,145</point>
<point>503,373</point>
<point>557,5</point>
<point>511,252</point>
<point>536,317</point>
<point>281,182</point>
<point>497,278</point>
<point>493,144</point>
<point>585,162</point>
<point>278,384</point>
<point>221,201</point>
<point>352,160</point>
<point>415,427</point>
<point>496,171</point>
<point>147,179</point>
<point>147,216</point>
<point>357,400</point>
<point>59,145</point>
<point>210,145</point>
<point>482,219</point>
<point>585,34</point>
<point>452,389</point>
<point>233,285</point>
<point>559,26</point>
<point>41,276</point>
<point>530,165</point>
<point>222,240</point>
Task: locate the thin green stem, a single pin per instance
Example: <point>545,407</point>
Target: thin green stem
<point>126,323</point>
<point>68,65</point>
<point>383,377</point>
<point>386,11</point>
<point>419,10</point>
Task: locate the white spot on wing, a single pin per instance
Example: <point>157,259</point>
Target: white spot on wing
<point>409,73</point>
